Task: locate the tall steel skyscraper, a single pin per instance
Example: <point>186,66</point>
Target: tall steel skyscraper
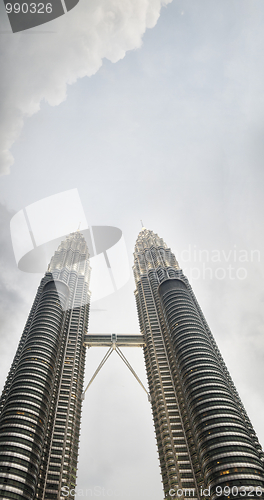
<point>206,443</point>
<point>40,408</point>
<point>204,436</point>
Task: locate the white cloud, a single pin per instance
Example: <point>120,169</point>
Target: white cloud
<point>39,65</point>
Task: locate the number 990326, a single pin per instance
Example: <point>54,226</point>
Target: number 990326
<point>242,491</point>
<point>32,8</point>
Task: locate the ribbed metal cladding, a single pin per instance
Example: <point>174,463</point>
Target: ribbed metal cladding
<point>71,265</point>
<point>40,407</point>
<point>226,451</point>
<point>154,262</point>
<point>190,387</point>
<point>24,418</point>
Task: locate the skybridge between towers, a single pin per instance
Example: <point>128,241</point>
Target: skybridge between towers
<point>113,339</point>
<point>114,342</point>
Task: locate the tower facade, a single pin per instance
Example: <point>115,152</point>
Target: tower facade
<point>207,446</point>
<point>40,407</point>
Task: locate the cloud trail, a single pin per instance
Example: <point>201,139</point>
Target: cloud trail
<point>38,64</point>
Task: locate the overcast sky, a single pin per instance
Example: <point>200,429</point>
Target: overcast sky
<point>155,113</point>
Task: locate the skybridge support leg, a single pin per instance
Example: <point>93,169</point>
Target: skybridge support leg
<point>114,341</point>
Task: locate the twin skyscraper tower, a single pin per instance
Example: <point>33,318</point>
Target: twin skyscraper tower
<point>206,443</point>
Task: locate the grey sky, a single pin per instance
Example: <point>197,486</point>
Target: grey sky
<point>172,133</point>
